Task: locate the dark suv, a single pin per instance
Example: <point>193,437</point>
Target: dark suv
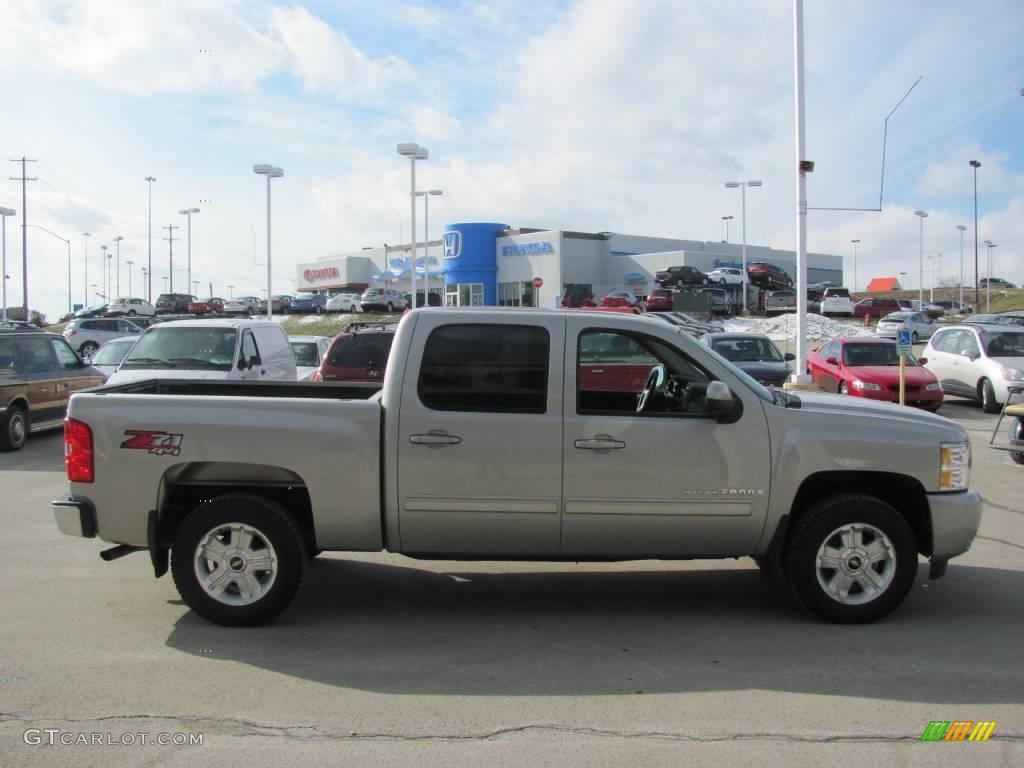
<point>38,373</point>
<point>359,353</point>
<point>174,303</point>
<point>680,276</point>
<point>765,275</point>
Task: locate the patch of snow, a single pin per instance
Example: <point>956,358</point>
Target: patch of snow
<point>819,328</point>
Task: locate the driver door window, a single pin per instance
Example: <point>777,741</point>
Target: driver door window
<point>249,350</point>
<point>614,369</point>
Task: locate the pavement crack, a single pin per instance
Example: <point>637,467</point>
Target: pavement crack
<point>1001,541</point>
<point>311,732</point>
<point>1003,507</point>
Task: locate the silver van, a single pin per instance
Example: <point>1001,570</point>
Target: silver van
<point>222,348</point>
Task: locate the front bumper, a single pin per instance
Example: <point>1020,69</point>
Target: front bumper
<point>75,516</point>
<point>955,521</point>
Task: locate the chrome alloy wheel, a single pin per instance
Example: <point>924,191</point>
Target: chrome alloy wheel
<point>856,563</point>
<point>235,564</point>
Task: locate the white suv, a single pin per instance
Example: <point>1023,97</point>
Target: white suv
<point>982,362</point>
<point>131,307</point>
<point>837,301</point>
<point>382,299</point>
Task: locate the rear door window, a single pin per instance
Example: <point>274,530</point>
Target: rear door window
<point>9,365</point>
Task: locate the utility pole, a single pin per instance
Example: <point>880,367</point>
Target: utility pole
<point>117,244</point>
<point>170,239</point>
<point>149,264</point>
<point>24,228</point>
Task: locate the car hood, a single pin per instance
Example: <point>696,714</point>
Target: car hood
<point>764,369</point>
<point>890,374</point>
<point>141,374</point>
<point>862,408</point>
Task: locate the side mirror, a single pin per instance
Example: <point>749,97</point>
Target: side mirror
<point>831,361</point>
<point>789,357</point>
<point>242,365</point>
<point>254,360</point>
<point>719,399</point>
<point>922,360</point>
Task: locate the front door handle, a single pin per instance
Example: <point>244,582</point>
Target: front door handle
<point>435,438</point>
<point>600,443</point>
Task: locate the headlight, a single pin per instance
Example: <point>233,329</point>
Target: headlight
<point>954,466</point>
<point>866,385</point>
<point>933,387</point>
<point>1012,373</point>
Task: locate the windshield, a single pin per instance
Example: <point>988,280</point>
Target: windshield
<point>759,389</point>
<point>304,297</point>
<point>896,317</point>
<point>1004,344</point>
<point>306,354</point>
<point>872,354</point>
<point>197,347</point>
<point>112,352</point>
<point>747,350</point>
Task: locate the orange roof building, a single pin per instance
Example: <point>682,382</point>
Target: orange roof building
<point>883,284</point>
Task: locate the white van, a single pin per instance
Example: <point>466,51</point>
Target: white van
<point>252,350</point>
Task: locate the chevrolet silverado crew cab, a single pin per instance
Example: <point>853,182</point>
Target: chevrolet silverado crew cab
<point>514,434</point>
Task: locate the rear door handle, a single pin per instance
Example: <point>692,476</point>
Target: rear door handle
<point>435,438</point>
<point>600,443</point>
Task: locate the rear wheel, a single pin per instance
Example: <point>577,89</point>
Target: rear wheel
<point>13,429</point>
<point>988,397</point>
<point>851,559</point>
<point>131,313</point>
<point>913,337</point>
<point>391,307</point>
<point>1018,458</point>
<point>238,560</point>
<point>318,309</point>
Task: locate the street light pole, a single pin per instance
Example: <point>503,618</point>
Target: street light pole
<point>149,264</point>
<point>920,291</point>
<point>271,172</point>
<point>727,219</point>
<point>743,225</point>
<point>961,227</point>
<point>4,213</point>
<point>129,263</point>
<point>902,286</point>
<point>103,271</point>
<point>117,243</point>
<point>85,250</point>
<point>855,242</point>
<point>414,152</point>
<point>977,297</point>
<point>110,280</point>
<point>988,277</point>
<point>426,241</point>
<point>188,212</point>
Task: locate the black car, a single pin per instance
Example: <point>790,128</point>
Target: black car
<point>766,275</point>
<point>754,354</point>
<point>680,276</point>
<point>174,303</point>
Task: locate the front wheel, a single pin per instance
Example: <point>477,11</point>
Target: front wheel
<point>88,349</point>
<point>1018,458</point>
<point>238,560</point>
<point>913,338</point>
<point>842,387</point>
<point>318,310</point>
<point>391,307</point>
<point>851,559</point>
<point>988,397</point>
<point>131,313</point>
<point>13,429</point>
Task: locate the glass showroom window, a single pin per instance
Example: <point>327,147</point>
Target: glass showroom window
<point>516,295</point>
<point>464,295</point>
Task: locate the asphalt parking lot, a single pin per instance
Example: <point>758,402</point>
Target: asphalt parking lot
<point>384,660</point>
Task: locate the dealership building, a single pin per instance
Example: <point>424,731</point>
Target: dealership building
<point>487,264</point>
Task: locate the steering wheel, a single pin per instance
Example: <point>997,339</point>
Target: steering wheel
<point>655,379</point>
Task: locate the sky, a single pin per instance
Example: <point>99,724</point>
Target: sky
<point>592,115</point>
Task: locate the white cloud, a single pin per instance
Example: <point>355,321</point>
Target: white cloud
<point>325,59</point>
<point>952,175</point>
<point>428,123</point>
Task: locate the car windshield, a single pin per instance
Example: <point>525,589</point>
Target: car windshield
<point>999,344</point>
<point>306,355</point>
<point>747,350</point>
<point>896,317</point>
<point>305,297</point>
<point>196,347</point>
<point>360,351</point>
<point>872,354</point>
<point>112,352</point>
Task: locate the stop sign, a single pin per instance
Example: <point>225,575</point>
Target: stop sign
<point>537,282</point>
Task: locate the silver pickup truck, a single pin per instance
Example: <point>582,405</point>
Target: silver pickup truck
<point>519,434</point>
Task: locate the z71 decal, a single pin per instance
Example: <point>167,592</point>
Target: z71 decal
<point>158,443</point>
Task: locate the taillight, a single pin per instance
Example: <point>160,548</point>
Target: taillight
<point>78,454</point>
<point>317,376</point>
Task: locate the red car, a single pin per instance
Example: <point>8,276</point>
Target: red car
<point>869,367</point>
<point>212,306</point>
<point>358,354</point>
<point>876,307</point>
<point>619,299</point>
<point>659,300</point>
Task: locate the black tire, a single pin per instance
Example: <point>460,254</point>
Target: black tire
<point>88,349</point>
<point>131,313</point>
<point>819,525</point>
<point>789,282</point>
<point>842,388</point>
<point>705,281</point>
<point>913,337</point>
<point>318,310</point>
<point>723,281</point>
<point>988,397</point>
<point>1018,458</point>
<point>273,526</point>
<point>13,429</point>
<point>248,311</point>
<point>390,307</point>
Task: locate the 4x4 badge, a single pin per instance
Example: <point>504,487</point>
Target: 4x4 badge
<point>158,443</point>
